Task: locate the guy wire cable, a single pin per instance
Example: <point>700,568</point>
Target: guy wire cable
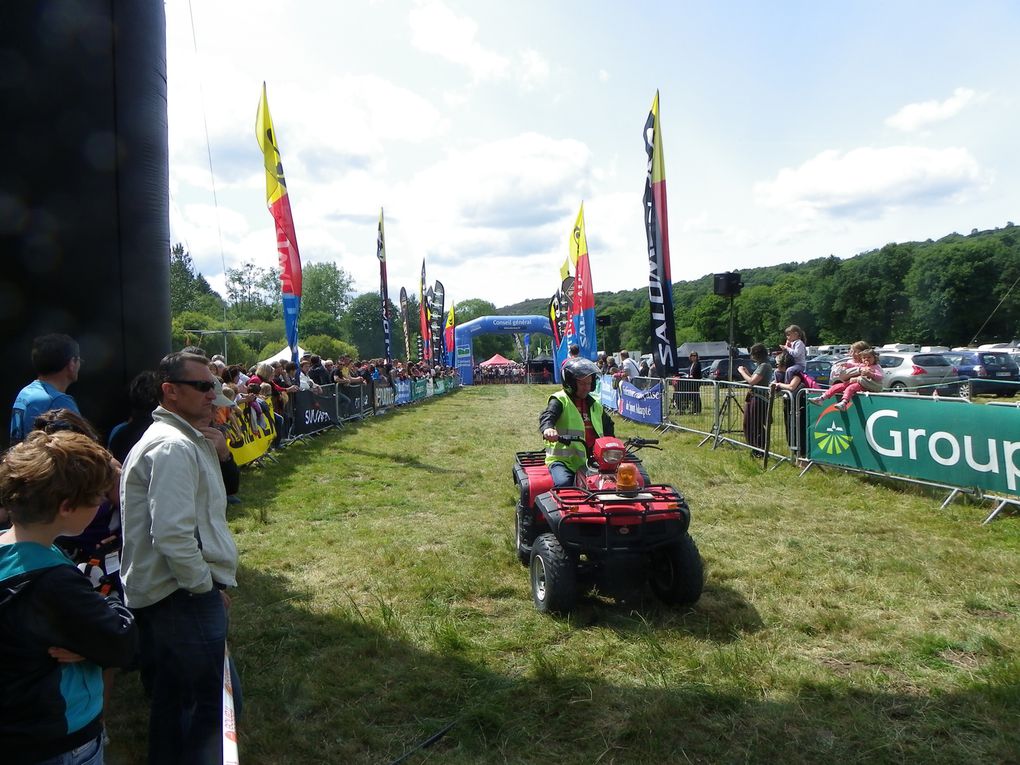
<point>208,151</point>
<point>973,339</point>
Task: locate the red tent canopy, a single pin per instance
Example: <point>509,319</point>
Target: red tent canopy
<point>496,361</point>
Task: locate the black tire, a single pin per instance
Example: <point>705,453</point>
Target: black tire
<point>553,576</point>
<point>965,390</point>
<point>524,534</point>
<point>677,575</point>
<point>898,387</point>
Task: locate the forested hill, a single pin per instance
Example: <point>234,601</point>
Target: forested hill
<point>934,292</point>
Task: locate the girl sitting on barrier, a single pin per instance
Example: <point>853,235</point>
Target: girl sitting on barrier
<point>789,382</point>
<point>796,347</point>
<point>866,374</point>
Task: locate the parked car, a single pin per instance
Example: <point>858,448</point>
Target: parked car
<point>921,372</point>
<point>820,368</point>
<point>720,368</point>
<point>994,372</point>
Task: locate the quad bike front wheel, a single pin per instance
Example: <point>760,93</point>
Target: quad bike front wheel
<point>553,576</point>
<point>677,575</point>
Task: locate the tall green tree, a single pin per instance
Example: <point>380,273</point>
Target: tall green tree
<point>254,292</point>
<point>362,325</point>
<point>327,288</point>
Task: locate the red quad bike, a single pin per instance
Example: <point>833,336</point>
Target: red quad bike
<point>613,529</point>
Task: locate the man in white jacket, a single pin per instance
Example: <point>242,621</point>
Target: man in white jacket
<point>179,558</point>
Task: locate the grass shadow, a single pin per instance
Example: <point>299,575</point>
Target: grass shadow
<point>359,684</point>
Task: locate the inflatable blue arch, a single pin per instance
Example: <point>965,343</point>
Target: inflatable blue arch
<point>465,334</point>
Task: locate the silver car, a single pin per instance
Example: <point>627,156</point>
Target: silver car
<point>919,372</point>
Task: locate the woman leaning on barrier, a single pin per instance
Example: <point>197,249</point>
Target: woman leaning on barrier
<point>756,401</point>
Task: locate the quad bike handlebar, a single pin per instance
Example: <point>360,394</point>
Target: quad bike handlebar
<point>633,444</point>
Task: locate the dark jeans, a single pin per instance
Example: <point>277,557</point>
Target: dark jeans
<point>183,641</point>
<point>561,475</point>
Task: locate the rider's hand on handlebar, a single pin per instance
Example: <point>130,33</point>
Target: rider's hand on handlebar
<point>550,434</point>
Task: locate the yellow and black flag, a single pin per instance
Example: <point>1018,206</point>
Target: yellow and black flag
<point>660,287</point>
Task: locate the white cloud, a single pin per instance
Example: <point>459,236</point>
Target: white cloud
<point>867,182</point>
<point>603,75</point>
<point>533,69</point>
<point>438,30</point>
<point>915,116</point>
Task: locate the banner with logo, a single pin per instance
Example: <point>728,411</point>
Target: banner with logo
<point>607,393</point>
<point>249,435</point>
<point>403,388</point>
<point>948,442</point>
<point>313,411</point>
<point>278,202</point>
<point>419,389</point>
<point>641,405</point>
<point>660,285</point>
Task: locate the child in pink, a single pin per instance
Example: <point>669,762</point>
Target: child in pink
<point>864,374</point>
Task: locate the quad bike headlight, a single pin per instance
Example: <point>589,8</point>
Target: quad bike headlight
<point>612,456</point>
<point>609,452</point>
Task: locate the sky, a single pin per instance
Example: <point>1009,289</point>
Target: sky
<point>791,130</point>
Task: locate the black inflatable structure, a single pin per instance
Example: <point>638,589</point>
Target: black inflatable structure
<point>84,225</point>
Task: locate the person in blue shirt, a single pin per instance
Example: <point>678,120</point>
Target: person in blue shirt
<point>57,361</point>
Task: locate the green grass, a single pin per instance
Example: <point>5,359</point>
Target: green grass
<point>380,599</point>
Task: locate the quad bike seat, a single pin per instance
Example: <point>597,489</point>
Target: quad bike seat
<point>532,476</point>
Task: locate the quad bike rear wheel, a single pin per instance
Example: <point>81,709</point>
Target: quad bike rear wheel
<point>524,534</point>
<point>553,576</point>
<point>677,575</point>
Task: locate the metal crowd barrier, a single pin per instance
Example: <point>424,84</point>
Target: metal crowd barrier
<point>735,413</point>
<point>311,411</point>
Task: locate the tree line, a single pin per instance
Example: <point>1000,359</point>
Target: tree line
<point>953,291</point>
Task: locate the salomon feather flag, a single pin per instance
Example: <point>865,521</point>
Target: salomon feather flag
<point>423,317</point>
<point>403,319</point>
<point>380,252</point>
<point>436,308</point>
<point>553,323</point>
<point>660,288</point>
<point>582,308</point>
<point>286,240</point>
<point>448,334</point>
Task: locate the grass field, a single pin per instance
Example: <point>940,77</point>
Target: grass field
<point>380,600</point>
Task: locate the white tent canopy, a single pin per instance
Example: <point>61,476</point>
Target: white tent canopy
<point>283,355</point>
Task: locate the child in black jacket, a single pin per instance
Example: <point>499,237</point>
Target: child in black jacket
<point>56,632</point>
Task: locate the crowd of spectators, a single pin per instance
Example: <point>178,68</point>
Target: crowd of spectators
<point>64,504</point>
<point>504,374</point>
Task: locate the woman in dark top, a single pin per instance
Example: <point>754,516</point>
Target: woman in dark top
<point>756,401</point>
<point>690,399</point>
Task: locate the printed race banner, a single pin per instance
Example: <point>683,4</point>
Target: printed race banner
<point>313,411</point>
<point>607,394</point>
<point>582,309</point>
<point>641,405</point>
<point>248,435</point>
<point>419,389</point>
<point>660,289</point>
<point>384,299</point>
<point>947,442</point>
<point>403,392</point>
<point>278,202</point>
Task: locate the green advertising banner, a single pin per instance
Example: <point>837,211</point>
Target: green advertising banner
<point>440,386</point>
<point>418,389</point>
<point>944,441</point>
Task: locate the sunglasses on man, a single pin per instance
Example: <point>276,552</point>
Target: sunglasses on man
<point>202,386</point>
